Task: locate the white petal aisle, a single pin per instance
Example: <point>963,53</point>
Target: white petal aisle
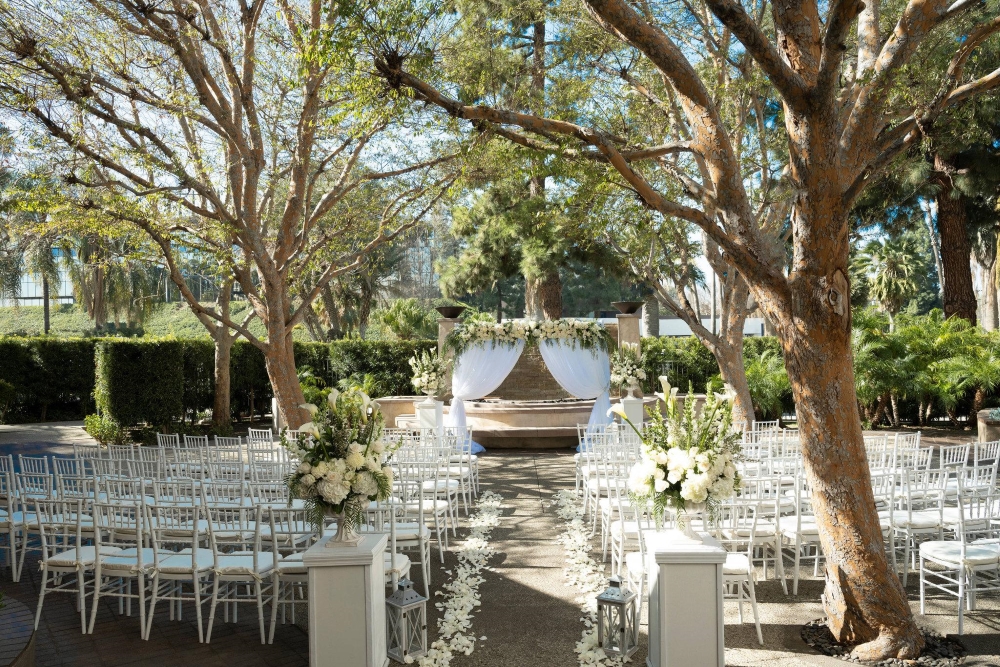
<point>462,592</point>
<point>584,574</point>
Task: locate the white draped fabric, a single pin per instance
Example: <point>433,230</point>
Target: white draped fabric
<point>479,370</point>
<point>583,373</point>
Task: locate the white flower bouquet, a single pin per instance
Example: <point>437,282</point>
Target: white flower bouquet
<point>626,366</point>
<point>342,459</point>
<point>688,456</point>
<point>429,372</point>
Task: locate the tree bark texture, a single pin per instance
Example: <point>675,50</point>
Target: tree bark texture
<point>221,406</point>
<point>959,295</point>
<point>651,316</point>
<point>991,318</point>
<point>549,294</point>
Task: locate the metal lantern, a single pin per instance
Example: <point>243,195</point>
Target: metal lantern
<point>406,622</point>
<point>617,626</point>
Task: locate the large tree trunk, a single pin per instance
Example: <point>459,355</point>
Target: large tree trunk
<point>864,599</point>
<point>734,373</point>
<point>221,410</point>
<point>280,361</point>
<point>548,291</point>
<point>959,296</point>
<point>651,316</point>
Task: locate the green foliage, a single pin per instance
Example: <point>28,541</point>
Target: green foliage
<point>768,382</point>
<point>53,378</point>
<point>140,381</point>
<point>891,267</point>
<point>683,360</point>
<point>406,319</point>
<point>7,394</point>
<point>387,363</point>
<point>105,430</point>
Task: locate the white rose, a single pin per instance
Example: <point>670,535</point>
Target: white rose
<point>304,468</point>
<point>660,485</point>
<point>307,480</point>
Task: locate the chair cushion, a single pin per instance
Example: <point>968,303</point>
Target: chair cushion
<point>398,563</point>
<point>292,564</point>
<point>808,529</point>
<point>634,563</point>
<point>917,520</point>
<point>84,555</point>
<point>736,564</point>
<point>241,562</point>
<point>125,560</point>
<point>951,553</point>
<point>181,562</point>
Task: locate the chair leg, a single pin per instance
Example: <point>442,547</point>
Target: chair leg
<point>197,607</point>
<point>260,611</point>
<point>97,598</point>
<point>141,584</point>
<point>81,600</point>
<point>275,603</point>
<point>211,613</point>
<point>152,604</point>
<point>41,596</point>
<point>753,606</point>
<point>795,579</point>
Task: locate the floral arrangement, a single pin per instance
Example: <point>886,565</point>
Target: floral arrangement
<point>429,372</point>
<point>342,459</point>
<point>588,334</point>
<point>626,366</point>
<point>688,456</point>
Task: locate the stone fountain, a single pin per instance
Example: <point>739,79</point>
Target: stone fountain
<point>529,410</point>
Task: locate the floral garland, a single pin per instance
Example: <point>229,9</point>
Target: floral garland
<point>462,592</point>
<point>585,575</point>
<point>588,334</point>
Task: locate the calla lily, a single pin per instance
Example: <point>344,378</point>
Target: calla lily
<point>665,383</point>
<point>617,409</point>
<point>310,428</point>
<point>310,408</point>
<point>332,398</point>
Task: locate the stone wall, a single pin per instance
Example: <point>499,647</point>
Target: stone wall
<point>530,380</point>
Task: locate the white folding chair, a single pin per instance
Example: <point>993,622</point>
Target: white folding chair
<point>119,529</point>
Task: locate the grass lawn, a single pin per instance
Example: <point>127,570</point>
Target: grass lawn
<point>170,319</point>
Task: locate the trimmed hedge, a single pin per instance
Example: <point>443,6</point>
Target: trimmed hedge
<point>158,381</point>
<point>140,381</point>
<point>53,377</point>
<point>686,360</point>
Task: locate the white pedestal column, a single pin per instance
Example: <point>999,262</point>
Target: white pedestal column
<point>686,619</point>
<point>430,413</point>
<point>633,409</point>
<point>347,603</point>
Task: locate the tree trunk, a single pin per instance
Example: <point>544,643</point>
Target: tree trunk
<point>221,411</point>
<point>499,302</point>
<point>991,318</point>
<point>651,316</point>
<point>930,213</point>
<point>549,295</point>
<point>864,599</point>
<point>883,400</point>
<point>894,401</point>
<point>280,361</point>
<point>959,296</point>
<point>978,399</point>
<point>734,373</point>
<point>45,303</point>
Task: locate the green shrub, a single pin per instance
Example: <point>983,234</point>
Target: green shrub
<point>53,378</point>
<point>250,387</point>
<point>105,430</point>
<point>685,361</point>
<point>388,364</point>
<point>199,375</point>
<point>7,394</point>
<point>140,381</point>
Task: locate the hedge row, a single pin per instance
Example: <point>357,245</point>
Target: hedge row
<point>686,360</point>
<point>159,380</point>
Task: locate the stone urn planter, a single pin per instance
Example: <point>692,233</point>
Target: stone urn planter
<point>988,426</point>
<point>17,635</point>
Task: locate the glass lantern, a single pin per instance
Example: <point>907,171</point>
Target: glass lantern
<point>406,622</point>
<point>617,626</point>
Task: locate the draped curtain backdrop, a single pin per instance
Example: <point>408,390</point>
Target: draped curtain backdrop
<point>583,373</point>
<point>478,372</point>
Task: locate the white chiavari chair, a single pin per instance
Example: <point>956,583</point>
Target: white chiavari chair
<point>63,465</point>
<point>239,562</point>
<point>919,512</point>
<point>985,452</point>
<point>270,471</point>
<point>290,535</point>
<point>121,527</point>
<point>800,531</point>
<point>196,441</point>
<point>736,530</point>
<point>168,440</point>
<point>66,560</point>
<point>953,456</point>
<point>182,570</point>
<point>36,465</point>
<point>10,519</point>
<point>260,436</point>
<point>766,493</point>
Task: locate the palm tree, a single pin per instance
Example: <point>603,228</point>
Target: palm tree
<point>891,267</point>
<point>768,382</point>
